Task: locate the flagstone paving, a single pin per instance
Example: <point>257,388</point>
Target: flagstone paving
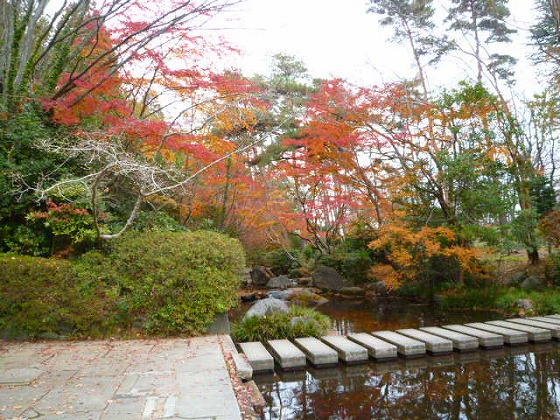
<point>130,379</point>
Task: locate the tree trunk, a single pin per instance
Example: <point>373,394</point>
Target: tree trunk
<point>533,255</point>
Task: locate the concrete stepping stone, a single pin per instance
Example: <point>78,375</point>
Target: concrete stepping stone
<point>347,350</point>
<point>553,316</point>
<point>535,334</point>
<point>434,344</point>
<point>486,339</point>
<point>317,352</point>
<point>286,354</point>
<point>406,346</point>
<point>553,321</point>
<point>461,342</point>
<point>242,365</point>
<point>377,348</point>
<point>554,328</point>
<point>510,336</point>
<point>258,356</point>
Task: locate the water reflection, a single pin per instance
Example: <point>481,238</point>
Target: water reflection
<point>513,382</point>
<point>391,314</point>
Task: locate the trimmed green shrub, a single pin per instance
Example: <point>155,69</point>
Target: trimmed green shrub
<point>298,322</point>
<point>42,297</point>
<point>169,282</point>
<point>159,283</point>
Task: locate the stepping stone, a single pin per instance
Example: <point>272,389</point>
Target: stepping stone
<point>485,339</point>
<point>510,336</point>
<point>461,342</point>
<point>434,344</point>
<point>317,352</point>
<point>406,346</point>
<point>535,334</point>
<point>553,321</point>
<point>258,357</point>
<point>286,354</point>
<point>554,328</point>
<point>553,316</point>
<point>378,349</point>
<point>348,351</point>
<point>242,365</point>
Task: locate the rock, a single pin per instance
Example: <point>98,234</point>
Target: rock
<point>248,297</point>
<point>525,304</point>
<point>327,278</point>
<point>353,291</point>
<point>280,282</point>
<point>531,282</point>
<point>516,279</point>
<point>380,288</point>
<point>300,320</point>
<point>279,294</point>
<point>268,306</point>
<point>306,297</point>
<point>220,325</point>
<point>304,281</point>
<point>260,276</point>
<point>246,277</point>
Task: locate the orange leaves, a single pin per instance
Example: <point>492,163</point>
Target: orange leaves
<point>410,252</point>
<point>550,226</point>
<point>388,275</point>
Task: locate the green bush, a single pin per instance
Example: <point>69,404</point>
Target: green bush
<point>471,297</point>
<point>279,261</point>
<point>546,301</point>
<point>552,268</point>
<point>501,298</point>
<point>354,265</point>
<point>309,323</point>
<point>42,297</point>
<point>159,283</point>
<point>169,282</point>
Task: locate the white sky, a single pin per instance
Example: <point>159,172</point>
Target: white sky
<point>337,38</point>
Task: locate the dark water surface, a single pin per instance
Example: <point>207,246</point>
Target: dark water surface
<point>521,382</point>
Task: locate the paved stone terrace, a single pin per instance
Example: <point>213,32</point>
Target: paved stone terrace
<point>134,379</point>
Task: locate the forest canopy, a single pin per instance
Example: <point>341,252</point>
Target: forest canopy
<point>118,115</point>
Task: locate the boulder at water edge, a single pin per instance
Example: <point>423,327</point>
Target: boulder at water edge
<point>353,291</point>
<point>261,276</point>
<point>267,307</point>
<point>327,278</point>
<point>525,304</point>
<point>280,282</point>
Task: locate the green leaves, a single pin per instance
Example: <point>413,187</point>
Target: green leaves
<point>298,322</point>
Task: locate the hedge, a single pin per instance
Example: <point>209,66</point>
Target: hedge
<point>156,283</point>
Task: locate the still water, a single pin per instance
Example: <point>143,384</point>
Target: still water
<point>520,382</point>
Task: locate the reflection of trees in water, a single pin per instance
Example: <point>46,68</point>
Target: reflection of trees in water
<point>522,384</point>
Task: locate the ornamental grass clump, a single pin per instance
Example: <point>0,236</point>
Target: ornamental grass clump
<point>298,322</point>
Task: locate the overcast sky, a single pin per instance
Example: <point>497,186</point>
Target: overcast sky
<point>337,38</point>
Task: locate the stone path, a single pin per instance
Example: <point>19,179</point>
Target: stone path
<point>133,379</point>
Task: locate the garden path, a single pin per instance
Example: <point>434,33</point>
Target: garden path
<point>117,379</point>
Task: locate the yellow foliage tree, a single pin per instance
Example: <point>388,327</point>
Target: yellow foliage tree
<point>410,254</point>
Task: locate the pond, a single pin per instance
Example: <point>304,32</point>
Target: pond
<point>521,382</point>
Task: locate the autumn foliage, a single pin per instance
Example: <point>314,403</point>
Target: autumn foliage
<point>130,106</point>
